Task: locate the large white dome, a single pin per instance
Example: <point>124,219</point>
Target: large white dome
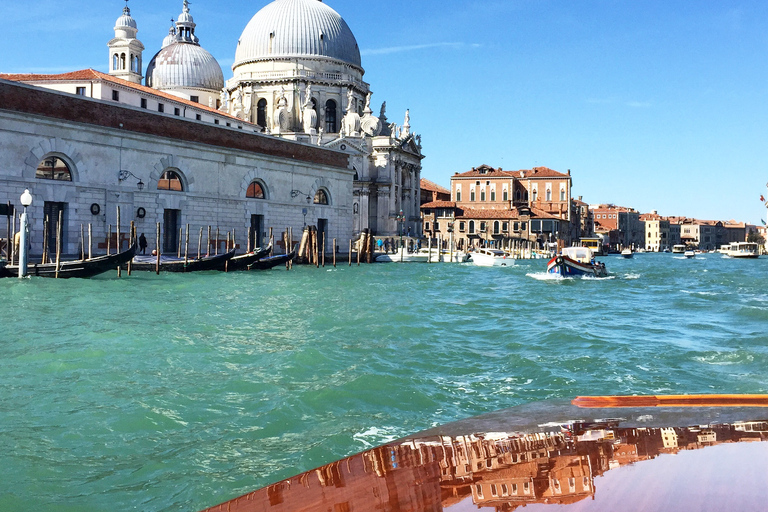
<point>297,28</point>
<point>184,65</point>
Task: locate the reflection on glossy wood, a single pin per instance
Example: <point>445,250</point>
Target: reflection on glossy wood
<point>555,466</point>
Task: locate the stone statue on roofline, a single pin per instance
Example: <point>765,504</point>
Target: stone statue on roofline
<point>309,114</point>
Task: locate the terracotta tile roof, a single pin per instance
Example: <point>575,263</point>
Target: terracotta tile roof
<point>538,172</point>
<point>439,204</point>
<point>486,171</point>
<point>470,213</point>
<point>431,186</point>
<point>92,74</point>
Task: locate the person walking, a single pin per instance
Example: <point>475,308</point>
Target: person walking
<point>143,244</point>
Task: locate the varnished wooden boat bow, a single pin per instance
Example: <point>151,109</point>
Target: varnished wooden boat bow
<point>671,401</point>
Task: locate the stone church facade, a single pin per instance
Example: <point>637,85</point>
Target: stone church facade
<point>290,140</point>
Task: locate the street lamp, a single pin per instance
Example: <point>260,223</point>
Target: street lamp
<point>123,175</point>
<point>26,200</point>
<point>400,218</point>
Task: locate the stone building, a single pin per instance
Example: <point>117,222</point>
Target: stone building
<point>620,225</point>
<point>290,140</point>
<point>83,157</point>
<point>493,207</point>
<point>657,236</point>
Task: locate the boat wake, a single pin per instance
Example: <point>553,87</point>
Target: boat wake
<point>546,276</point>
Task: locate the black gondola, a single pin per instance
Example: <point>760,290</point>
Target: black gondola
<point>272,261</point>
<point>244,260</point>
<point>149,263</point>
<point>76,268</point>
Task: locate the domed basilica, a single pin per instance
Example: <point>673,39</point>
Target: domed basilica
<point>298,75</point>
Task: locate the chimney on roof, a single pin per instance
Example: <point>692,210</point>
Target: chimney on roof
<point>579,198</point>
<point>569,172</point>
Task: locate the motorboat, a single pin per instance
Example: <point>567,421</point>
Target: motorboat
<point>627,253</point>
<point>491,258</point>
<point>743,250</point>
<point>678,249</point>
<point>576,261</point>
<point>444,256</point>
<point>403,256</point>
<point>689,254</point>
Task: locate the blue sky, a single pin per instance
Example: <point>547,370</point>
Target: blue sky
<point>656,105</point>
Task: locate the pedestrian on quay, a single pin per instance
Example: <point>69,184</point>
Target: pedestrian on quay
<point>143,244</point>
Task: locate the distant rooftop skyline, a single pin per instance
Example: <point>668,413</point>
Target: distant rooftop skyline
<point>651,105</point>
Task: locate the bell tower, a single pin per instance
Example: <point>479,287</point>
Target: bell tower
<point>125,50</point>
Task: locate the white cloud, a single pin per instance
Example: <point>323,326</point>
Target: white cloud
<point>415,47</point>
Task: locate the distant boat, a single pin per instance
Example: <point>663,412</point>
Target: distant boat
<point>402,255</point>
<point>678,249</point>
<point>491,258</point>
<point>576,261</point>
<point>689,254</point>
<point>627,253</point>
<point>743,250</point>
<point>74,268</point>
<point>173,264</point>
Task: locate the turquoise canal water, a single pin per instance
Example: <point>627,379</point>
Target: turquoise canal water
<point>178,392</point>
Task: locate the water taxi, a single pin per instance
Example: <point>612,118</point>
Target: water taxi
<point>576,261</point>
<point>424,255</point>
<point>491,258</point>
<point>689,254</point>
<point>678,249</point>
<point>743,250</point>
<point>627,253</point>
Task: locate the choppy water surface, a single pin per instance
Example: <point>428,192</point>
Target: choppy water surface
<point>177,392</point>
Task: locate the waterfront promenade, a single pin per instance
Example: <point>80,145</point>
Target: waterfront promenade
<point>177,392</point>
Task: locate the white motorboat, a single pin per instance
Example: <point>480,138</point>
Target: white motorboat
<point>424,255</point>
<point>627,253</point>
<point>743,250</point>
<point>403,256</point>
<point>689,254</point>
<point>678,249</point>
<point>491,258</point>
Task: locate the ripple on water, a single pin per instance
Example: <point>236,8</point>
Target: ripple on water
<point>180,391</point>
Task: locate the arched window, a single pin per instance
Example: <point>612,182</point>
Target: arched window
<point>458,195</point>
<point>505,195</point>
<point>482,194</point>
<point>261,113</point>
<point>53,168</point>
<point>495,227</point>
<point>517,195</point>
<point>170,180</point>
<point>534,194</point>
<point>472,194</point>
<point>493,194</point>
<point>330,117</point>
<point>122,61</point>
<point>321,197</point>
<point>115,62</point>
<point>471,227</point>
<point>256,191</point>
<point>549,194</point>
<point>562,194</point>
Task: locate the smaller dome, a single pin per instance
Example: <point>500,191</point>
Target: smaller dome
<point>184,66</point>
<point>125,21</point>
